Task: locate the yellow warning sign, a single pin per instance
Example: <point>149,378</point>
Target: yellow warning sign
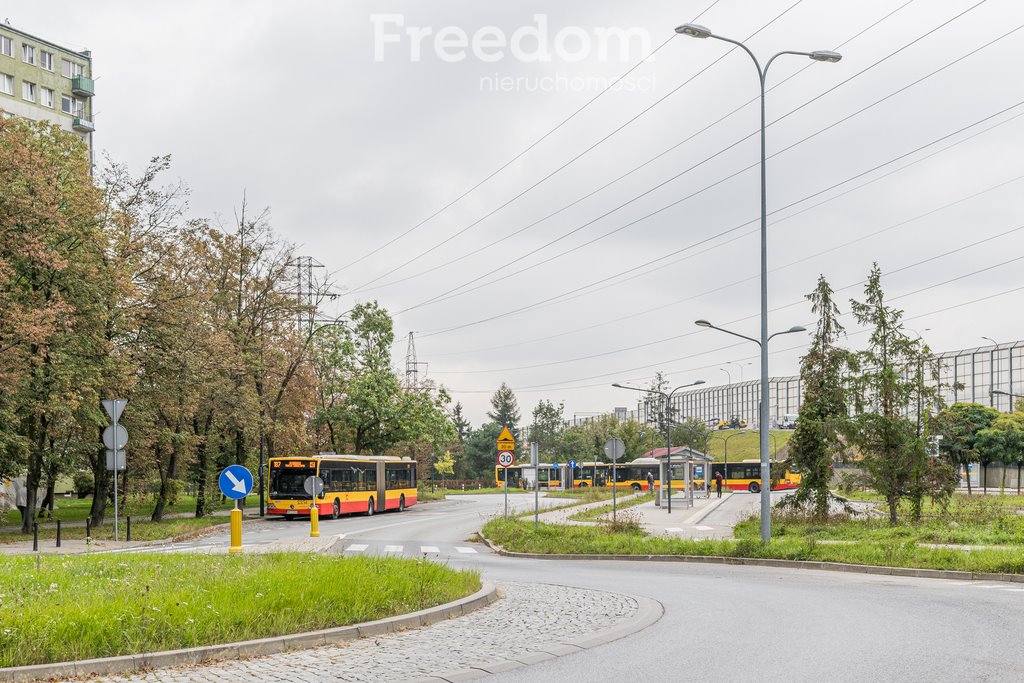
<point>506,442</point>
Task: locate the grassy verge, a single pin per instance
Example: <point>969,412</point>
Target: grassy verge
<point>745,444</point>
<point>558,539</point>
<point>100,606</point>
<point>587,494</point>
<point>77,509</point>
<point>969,520</point>
<point>459,492</point>
<point>596,513</point>
<point>178,527</point>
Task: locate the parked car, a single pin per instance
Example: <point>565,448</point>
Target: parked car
<point>788,421</point>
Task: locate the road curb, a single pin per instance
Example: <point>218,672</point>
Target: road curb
<point>781,564</point>
<point>252,648</point>
<point>649,611</point>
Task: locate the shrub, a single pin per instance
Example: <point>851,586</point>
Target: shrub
<point>84,483</point>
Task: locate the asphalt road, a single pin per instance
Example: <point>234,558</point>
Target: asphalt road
<point>725,623</point>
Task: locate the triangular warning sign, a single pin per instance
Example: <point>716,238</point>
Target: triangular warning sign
<point>506,438</point>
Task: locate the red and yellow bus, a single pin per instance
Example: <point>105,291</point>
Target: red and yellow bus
<point>746,476</point>
<point>547,475</point>
<point>351,484</point>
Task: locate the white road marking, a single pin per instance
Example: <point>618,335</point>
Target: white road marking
<point>465,550</point>
<point>429,549</point>
<point>1014,590</point>
<point>673,530</point>
<point>356,548</point>
<point>983,585</point>
<point>392,548</point>
<point>704,528</point>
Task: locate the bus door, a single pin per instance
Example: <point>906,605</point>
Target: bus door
<point>382,487</point>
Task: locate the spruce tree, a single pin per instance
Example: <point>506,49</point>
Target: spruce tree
<point>824,409</point>
<point>505,408</point>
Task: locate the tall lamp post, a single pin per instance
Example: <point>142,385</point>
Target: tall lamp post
<point>696,31</point>
<point>728,394</point>
<point>992,369</point>
<point>668,424</point>
<point>1009,394</point>
<point>762,427</point>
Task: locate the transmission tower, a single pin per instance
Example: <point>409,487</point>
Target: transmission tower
<point>305,290</point>
<point>412,366</point>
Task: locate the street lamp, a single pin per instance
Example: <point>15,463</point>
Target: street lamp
<point>762,427</point>
<point>728,395</point>
<point>696,31</point>
<point>1009,394</point>
<point>668,424</point>
<point>992,357</point>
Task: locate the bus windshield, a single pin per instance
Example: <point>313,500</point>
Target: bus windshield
<point>287,479</point>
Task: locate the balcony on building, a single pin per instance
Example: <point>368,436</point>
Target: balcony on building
<point>83,86</point>
<point>82,123</point>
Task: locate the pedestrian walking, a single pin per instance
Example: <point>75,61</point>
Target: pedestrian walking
<point>21,498</point>
<point>718,483</point>
<point>650,481</point>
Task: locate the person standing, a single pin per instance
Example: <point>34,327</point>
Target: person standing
<point>650,481</point>
<point>21,498</point>
<point>718,483</point>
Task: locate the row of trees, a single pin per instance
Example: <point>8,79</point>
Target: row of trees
<point>874,406</point>
<point>108,289</point>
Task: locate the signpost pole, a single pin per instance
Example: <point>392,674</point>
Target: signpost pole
<point>115,416</point>
<point>506,492</point>
<point>535,459</point>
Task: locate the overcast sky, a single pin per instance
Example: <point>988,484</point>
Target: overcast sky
<point>355,121</point>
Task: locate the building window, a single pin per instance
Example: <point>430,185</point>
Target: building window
<point>46,60</point>
<point>69,69</point>
<point>7,84</point>
<point>46,97</point>
<point>66,104</point>
<point>6,46</point>
<point>28,54</point>
<point>28,91</point>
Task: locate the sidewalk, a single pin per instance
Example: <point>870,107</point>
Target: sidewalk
<point>684,522</point>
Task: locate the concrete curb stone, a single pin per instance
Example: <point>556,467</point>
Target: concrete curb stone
<point>948,574</point>
<point>251,648</point>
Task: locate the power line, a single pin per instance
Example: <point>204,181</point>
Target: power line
<point>556,387</point>
<point>776,309</point>
<point>566,164</point>
<point>520,154</point>
<point>600,189</point>
<point>730,230</point>
<point>455,291</point>
<point>462,289</point>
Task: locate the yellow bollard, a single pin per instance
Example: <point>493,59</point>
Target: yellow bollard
<point>314,522</point>
<point>236,531</point>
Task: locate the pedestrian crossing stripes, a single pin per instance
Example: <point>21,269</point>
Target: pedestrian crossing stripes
<point>673,530</point>
<point>396,549</point>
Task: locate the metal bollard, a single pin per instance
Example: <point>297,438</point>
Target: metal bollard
<point>35,536</point>
<point>88,527</point>
<point>128,533</point>
<point>58,533</point>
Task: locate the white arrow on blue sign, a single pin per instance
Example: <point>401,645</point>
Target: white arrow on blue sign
<point>235,482</point>
<point>572,464</point>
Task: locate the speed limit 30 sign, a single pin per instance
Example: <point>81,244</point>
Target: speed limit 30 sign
<point>505,459</point>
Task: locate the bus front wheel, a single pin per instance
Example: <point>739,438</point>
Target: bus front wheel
<point>369,508</point>
<point>336,511</point>
<point>583,485</point>
<point>401,503</point>
<point>754,487</point>
<point>636,487</point>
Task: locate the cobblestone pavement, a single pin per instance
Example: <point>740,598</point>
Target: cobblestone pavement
<point>529,619</point>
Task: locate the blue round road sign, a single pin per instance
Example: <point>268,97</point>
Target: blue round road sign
<point>572,464</point>
<point>235,482</point>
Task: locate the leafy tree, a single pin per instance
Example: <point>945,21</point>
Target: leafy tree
<point>824,411</point>
<point>548,423</point>
<point>481,450</point>
<point>959,425</point>
<point>505,409</point>
<point>1003,442</point>
<point>887,379</point>
<point>445,465</point>
<point>52,285</point>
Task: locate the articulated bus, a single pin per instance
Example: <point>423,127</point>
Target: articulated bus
<point>746,476</point>
<point>547,476</point>
<point>352,483</point>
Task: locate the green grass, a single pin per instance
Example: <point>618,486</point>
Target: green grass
<point>974,520</point>
<point>459,492</point>
<point>596,513</point>
<point>82,607</point>
<point>554,539</point>
<point>587,494</point>
<point>142,530</point>
<point>744,444</point>
<point>75,509</point>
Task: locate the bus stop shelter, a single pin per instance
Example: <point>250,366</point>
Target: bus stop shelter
<point>688,464</point>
